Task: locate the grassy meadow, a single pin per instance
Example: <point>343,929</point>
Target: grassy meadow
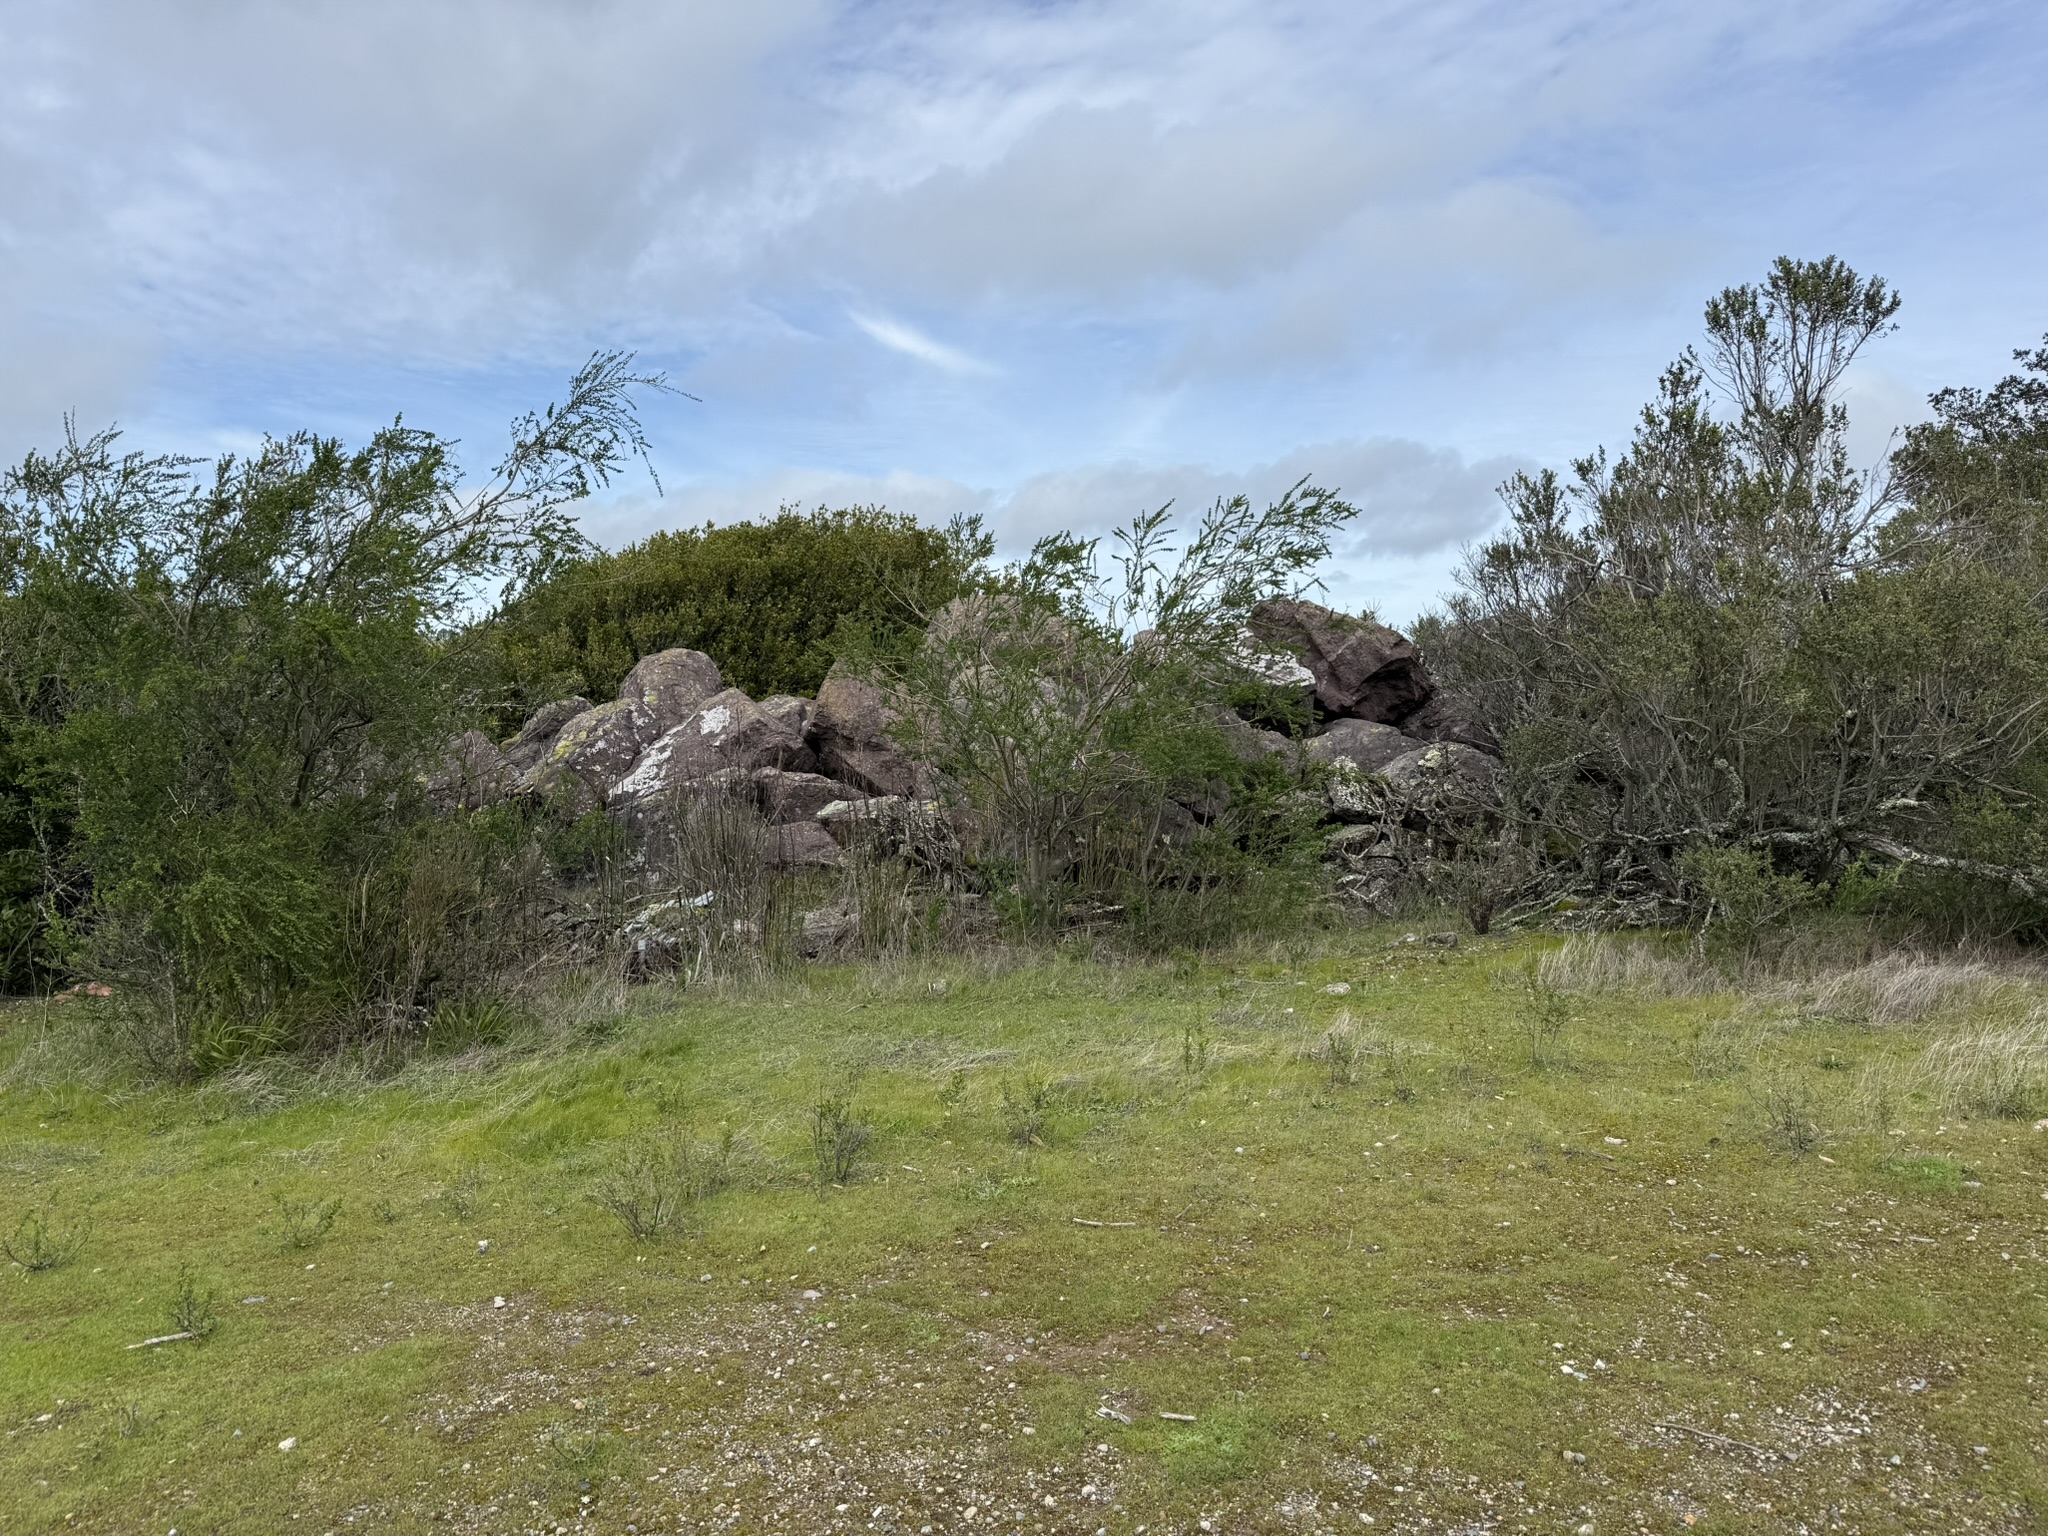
<point>1365,1234</point>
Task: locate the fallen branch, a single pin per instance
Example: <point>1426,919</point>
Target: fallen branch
<point>1179,1418</point>
<point>164,1338</point>
<point>1111,1413</point>
<point>1707,1434</point>
<point>1082,1221</point>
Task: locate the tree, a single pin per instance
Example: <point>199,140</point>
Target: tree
<point>1725,636</point>
<point>222,687</point>
<point>1075,706</point>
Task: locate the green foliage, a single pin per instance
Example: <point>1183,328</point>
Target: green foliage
<point>839,1140</point>
<point>1739,898</point>
<point>38,1243</point>
<point>192,1310</point>
<point>772,603</point>
<point>221,691</point>
<point>1728,636</point>
<point>1077,708</point>
<point>302,1223</point>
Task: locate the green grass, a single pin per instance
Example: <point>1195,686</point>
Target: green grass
<point>1454,1276</point>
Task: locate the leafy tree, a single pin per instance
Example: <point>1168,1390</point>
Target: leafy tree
<point>1075,706</point>
<point>222,687</point>
<point>772,603</point>
<point>1728,635</point>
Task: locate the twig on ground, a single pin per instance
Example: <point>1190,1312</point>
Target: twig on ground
<point>1707,1434</point>
<point>163,1338</point>
<point>1179,1418</point>
<point>1082,1221</point>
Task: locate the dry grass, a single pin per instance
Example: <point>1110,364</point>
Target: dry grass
<point>1997,1069</point>
<point>1600,963</point>
<point>1906,988</point>
<point>1900,987</point>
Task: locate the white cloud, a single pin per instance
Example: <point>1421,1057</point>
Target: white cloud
<point>898,337</point>
<point>1115,235</point>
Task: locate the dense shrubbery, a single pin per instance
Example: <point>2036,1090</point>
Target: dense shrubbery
<point>1728,636</point>
<point>1734,678</point>
<point>772,603</point>
<point>1075,710</point>
<point>222,691</point>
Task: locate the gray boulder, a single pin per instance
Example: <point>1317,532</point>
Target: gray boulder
<point>1365,744</point>
<point>594,751</point>
<point>672,684</point>
<point>789,709</point>
<point>849,732</point>
<point>1443,718</point>
<point>728,732</point>
<point>802,845</point>
<point>1443,770</point>
<point>1247,743</point>
<point>786,797</point>
<point>526,749</point>
<point>472,775</point>
<point>1362,669</point>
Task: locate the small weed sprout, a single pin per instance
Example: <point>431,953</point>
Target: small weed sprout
<point>1025,1112</point>
<point>385,1211</point>
<point>1549,1012</point>
<point>38,1245</point>
<point>1790,1117</point>
<point>1338,1052</point>
<point>303,1223</point>
<point>463,1192</point>
<point>1195,1052</point>
<point>192,1310</point>
<point>839,1139</point>
<point>130,1418</point>
<point>651,1182</point>
<point>580,1454</point>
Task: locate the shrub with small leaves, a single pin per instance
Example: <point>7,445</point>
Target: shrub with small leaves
<point>1790,1116</point>
<point>1026,1108</point>
<point>37,1244</point>
<point>839,1140</point>
<point>302,1223</point>
<point>192,1312</point>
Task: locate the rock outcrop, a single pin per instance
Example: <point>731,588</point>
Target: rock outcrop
<point>1362,670</point>
<point>849,732</point>
<point>672,684</point>
<point>727,732</point>
<point>535,738</point>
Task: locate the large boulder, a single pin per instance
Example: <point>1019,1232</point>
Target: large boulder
<point>803,845</point>
<point>472,775</point>
<point>537,736</point>
<point>1247,742</point>
<point>728,732</point>
<point>849,732</point>
<point>672,684</point>
<point>594,751</point>
<point>1362,669</point>
<point>786,797</point>
<point>789,709</point>
<point>1443,718</point>
<point>1365,745</point>
<point>1444,771</point>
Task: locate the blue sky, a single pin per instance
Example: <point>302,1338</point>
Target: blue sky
<point>1050,262</point>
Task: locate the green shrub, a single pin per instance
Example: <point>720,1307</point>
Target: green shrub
<point>770,602</point>
<point>221,691</point>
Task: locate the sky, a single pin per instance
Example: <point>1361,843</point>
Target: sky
<point>1053,263</point>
